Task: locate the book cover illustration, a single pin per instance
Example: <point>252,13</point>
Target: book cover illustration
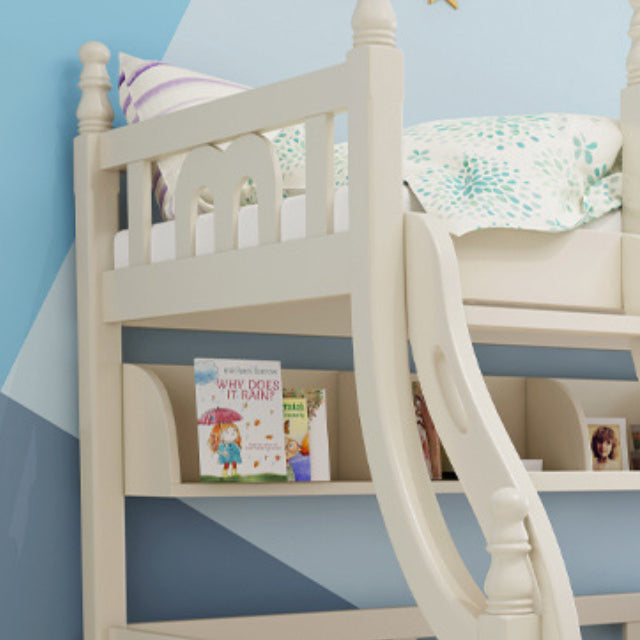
<point>427,431</point>
<point>296,439</point>
<point>317,435</point>
<point>239,408</point>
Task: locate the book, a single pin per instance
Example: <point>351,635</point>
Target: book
<point>239,408</point>
<point>427,431</point>
<point>296,439</point>
<point>317,438</point>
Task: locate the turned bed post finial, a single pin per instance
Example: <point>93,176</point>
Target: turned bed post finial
<point>95,113</point>
<point>633,59</point>
<point>374,22</point>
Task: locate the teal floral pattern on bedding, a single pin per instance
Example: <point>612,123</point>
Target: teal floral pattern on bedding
<point>549,172</point>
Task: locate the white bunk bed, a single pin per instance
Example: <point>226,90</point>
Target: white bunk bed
<point>392,277</point>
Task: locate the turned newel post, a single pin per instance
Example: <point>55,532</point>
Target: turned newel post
<point>374,22</point>
<point>510,584</point>
<point>95,113</point>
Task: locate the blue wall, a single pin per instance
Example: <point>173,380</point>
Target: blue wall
<point>278,555</point>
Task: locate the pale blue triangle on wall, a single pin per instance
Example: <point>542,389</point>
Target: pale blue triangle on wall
<point>44,376</point>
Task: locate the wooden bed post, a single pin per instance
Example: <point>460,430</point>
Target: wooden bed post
<point>431,564</point>
<point>99,361</point>
<point>630,123</point>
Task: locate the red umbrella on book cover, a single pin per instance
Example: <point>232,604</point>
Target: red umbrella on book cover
<point>219,415</point>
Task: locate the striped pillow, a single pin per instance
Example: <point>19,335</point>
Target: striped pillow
<point>149,88</point>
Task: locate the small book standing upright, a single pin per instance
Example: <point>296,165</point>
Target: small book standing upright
<point>239,406</point>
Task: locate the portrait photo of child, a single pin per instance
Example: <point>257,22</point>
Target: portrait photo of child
<point>608,444</point>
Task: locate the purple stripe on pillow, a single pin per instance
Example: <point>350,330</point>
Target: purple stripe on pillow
<point>154,180</point>
<point>120,79</point>
<point>174,83</point>
<point>162,196</point>
<point>141,70</point>
<point>126,104</point>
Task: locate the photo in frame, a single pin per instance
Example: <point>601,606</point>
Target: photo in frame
<point>608,444</point>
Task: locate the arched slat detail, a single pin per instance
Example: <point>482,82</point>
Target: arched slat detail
<point>253,156</point>
<point>199,171</point>
<point>440,341</point>
<point>223,173</point>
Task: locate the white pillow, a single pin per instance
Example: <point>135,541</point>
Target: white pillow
<point>150,88</point>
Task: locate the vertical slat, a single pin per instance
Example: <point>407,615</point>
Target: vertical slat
<point>139,212</point>
<point>631,631</point>
<point>319,175</point>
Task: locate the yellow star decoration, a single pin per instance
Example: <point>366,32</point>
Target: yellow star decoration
<point>453,3</point>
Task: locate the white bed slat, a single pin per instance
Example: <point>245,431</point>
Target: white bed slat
<point>139,212</point>
<point>319,175</point>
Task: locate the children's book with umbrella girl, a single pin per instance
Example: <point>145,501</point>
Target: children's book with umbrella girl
<point>240,434</point>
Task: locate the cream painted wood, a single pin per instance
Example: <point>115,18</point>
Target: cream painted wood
<point>630,269</point>
<point>159,408</point>
<point>374,23</point>
<point>579,270</point>
<point>510,583</point>
<point>139,212</point>
<point>630,123</point>
<point>633,59</point>
<point>542,327</point>
<point>556,426</point>
<point>259,110</point>
<point>95,113</point>
<point>319,142</point>
<point>223,174</point>
<point>431,564</point>
<point>190,286</point>
<point>329,316</point>
<point>100,388</point>
<point>363,624</point>
<point>465,416</point>
<point>631,631</point>
<point>589,481</point>
<point>152,464</point>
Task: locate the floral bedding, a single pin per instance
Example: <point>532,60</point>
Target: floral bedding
<point>549,172</point>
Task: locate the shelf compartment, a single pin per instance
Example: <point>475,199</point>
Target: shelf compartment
<point>161,445</point>
<point>545,419</point>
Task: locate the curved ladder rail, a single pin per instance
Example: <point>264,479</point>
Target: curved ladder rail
<point>472,432</point>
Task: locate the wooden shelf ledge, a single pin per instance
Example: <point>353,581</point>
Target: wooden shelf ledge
<point>361,624</point>
<point>544,481</point>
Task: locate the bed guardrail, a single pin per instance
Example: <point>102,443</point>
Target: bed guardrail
<point>240,119</point>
